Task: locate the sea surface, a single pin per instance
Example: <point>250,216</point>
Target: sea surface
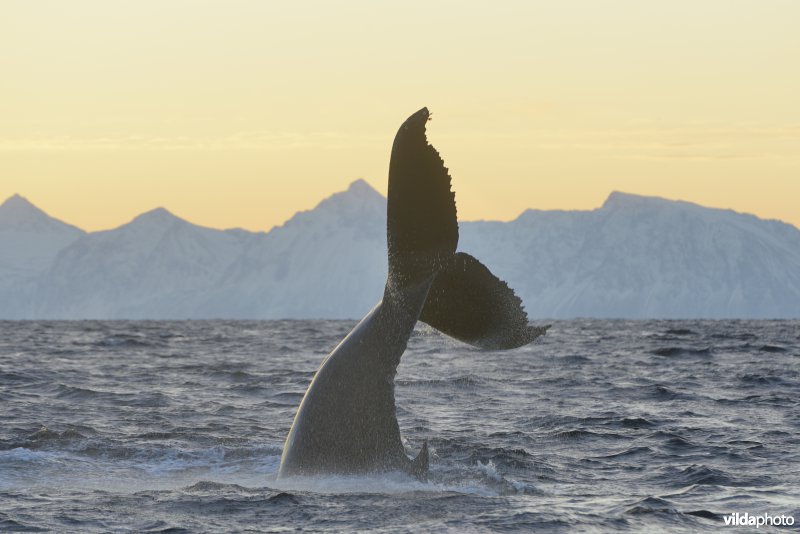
<point>602,426</point>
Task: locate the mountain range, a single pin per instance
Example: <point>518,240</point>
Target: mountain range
<point>634,257</point>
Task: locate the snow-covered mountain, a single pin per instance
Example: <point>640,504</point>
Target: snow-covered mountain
<point>634,257</point>
<point>644,257</point>
<point>29,240</point>
<point>157,266</point>
<point>329,262</point>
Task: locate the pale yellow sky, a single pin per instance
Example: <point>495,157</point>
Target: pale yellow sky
<point>239,113</point>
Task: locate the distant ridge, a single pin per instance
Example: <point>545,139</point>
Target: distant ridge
<point>29,241</point>
<point>634,257</point>
<point>18,214</point>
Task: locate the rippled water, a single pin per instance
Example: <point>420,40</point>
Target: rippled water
<point>601,426</point>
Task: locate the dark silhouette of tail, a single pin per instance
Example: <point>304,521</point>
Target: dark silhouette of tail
<point>421,223</point>
<point>469,303</point>
<point>465,301</point>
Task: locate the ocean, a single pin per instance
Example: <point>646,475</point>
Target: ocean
<point>601,426</point>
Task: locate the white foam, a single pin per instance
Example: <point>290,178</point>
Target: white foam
<point>21,454</point>
<point>384,483</point>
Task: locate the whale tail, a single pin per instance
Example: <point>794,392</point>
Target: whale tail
<point>421,223</point>
<point>465,301</point>
<point>347,422</point>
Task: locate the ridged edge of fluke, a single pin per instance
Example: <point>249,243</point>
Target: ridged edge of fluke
<point>422,220</point>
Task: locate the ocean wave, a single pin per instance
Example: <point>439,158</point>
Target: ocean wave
<point>673,352</point>
<point>458,382</point>
<point>680,332</point>
<point>7,524</point>
<point>629,452</point>
<point>771,348</point>
<point>761,379</point>
<point>206,486</point>
<point>129,398</point>
<point>702,475</point>
<point>24,455</point>
<point>128,341</point>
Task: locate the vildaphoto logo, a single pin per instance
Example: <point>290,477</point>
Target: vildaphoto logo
<point>747,520</point>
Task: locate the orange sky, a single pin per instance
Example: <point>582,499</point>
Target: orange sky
<point>240,113</point>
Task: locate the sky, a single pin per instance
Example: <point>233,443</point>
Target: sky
<point>239,113</point>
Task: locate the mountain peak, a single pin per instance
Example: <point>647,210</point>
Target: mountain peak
<point>15,199</point>
<point>154,221</point>
<point>349,207</point>
<point>157,215</point>
<point>358,194</point>
<point>620,199</point>
<point>16,203</point>
<point>362,189</point>
<point>18,213</point>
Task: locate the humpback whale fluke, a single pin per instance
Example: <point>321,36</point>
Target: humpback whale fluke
<point>346,421</point>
